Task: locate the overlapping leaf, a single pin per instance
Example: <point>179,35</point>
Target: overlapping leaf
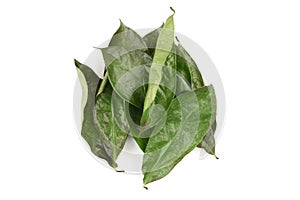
<point>152,89</point>
<point>188,78</point>
<point>163,57</point>
<point>90,131</point>
<point>106,119</point>
<point>162,77</point>
<point>128,71</point>
<point>99,128</point>
<point>188,69</point>
<point>189,117</point>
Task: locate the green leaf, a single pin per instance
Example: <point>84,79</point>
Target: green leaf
<point>208,143</point>
<point>129,119</point>
<point>112,53</point>
<point>125,52</point>
<point>189,117</point>
<point>124,40</point>
<point>127,38</point>
<point>128,73</point>
<point>164,45</point>
<point>150,40</point>
<point>188,78</point>
<point>129,76</point>
<point>187,67</point>
<point>162,78</point>
<point>106,107</point>
<point>96,139</point>
<point>127,64</point>
<point>183,83</point>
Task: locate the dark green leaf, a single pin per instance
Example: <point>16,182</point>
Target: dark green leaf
<point>124,40</point>
<point>96,139</point>
<point>106,108</point>
<point>189,117</point>
<point>187,67</point>
<point>129,120</point>
<point>128,76</point>
<point>182,85</point>
<point>126,64</point>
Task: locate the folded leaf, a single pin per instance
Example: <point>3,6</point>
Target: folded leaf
<point>183,77</point>
<point>162,78</point>
<point>164,45</point>
<point>189,117</point>
<point>96,139</point>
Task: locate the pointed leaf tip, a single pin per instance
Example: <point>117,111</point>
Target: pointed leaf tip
<point>77,63</point>
<point>122,27</point>
<point>122,24</point>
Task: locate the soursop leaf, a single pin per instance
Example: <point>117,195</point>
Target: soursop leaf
<point>189,117</point>
<point>106,107</point>
<point>90,131</point>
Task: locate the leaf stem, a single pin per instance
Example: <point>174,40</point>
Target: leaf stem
<point>119,171</point>
<point>172,10</point>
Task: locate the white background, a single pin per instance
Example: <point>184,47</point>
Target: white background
<point>255,46</point>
